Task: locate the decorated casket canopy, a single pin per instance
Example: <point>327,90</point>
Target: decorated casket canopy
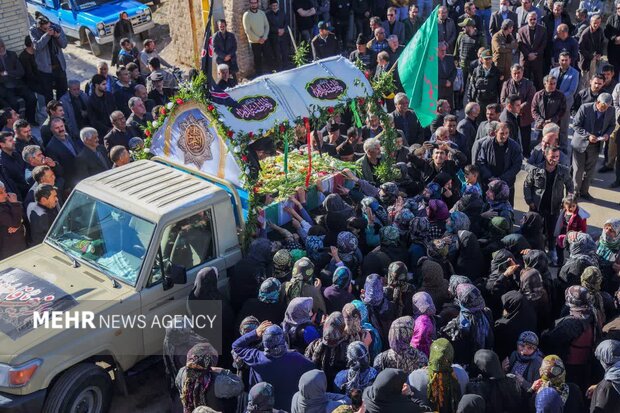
<point>205,136</point>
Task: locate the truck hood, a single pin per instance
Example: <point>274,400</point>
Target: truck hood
<point>108,12</point>
<point>43,278</point>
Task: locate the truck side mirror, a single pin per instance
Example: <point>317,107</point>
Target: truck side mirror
<point>65,5</point>
<point>175,274</point>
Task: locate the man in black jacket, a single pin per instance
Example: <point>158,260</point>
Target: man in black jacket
<point>12,163</point>
<point>278,36</point>
<point>137,121</point>
<point>225,46</point>
<point>324,44</point>
<point>430,168</point>
<point>93,158</point>
<point>485,83</point>
<point>510,115</point>
<point>406,120</point>
<point>468,127</point>
<point>446,73</point>
<point>42,213</point>
<point>101,104</point>
<point>119,135</point>
<point>12,85</point>
<point>63,149</point>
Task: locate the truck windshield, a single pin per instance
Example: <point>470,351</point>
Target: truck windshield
<point>112,240</point>
<point>87,4</point>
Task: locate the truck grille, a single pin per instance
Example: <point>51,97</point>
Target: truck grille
<point>139,19</point>
<point>109,28</point>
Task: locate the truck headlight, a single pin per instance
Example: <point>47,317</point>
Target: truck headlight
<point>101,32</point>
<point>20,375</point>
<point>100,26</point>
<point>148,17</point>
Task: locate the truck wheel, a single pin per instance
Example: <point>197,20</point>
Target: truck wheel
<point>85,388</point>
<point>94,46</point>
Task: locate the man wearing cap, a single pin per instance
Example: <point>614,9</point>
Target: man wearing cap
<point>447,28</point>
<point>278,36</point>
<point>324,44</point>
<point>48,41</point>
<point>256,27</point>
<point>485,83</point>
<point>532,40</point>
<point>503,44</point>
<point>467,45</point>
<point>593,124</point>
<point>158,93</point>
<point>363,54</point>
<point>100,106</point>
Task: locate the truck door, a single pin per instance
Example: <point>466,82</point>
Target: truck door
<point>67,17</point>
<point>191,243</point>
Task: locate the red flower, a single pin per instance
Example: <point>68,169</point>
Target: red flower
<point>282,128</point>
<point>244,158</point>
<point>256,190</point>
<point>230,133</point>
<point>367,74</point>
<point>306,120</point>
<point>361,101</point>
<point>147,132</point>
<point>251,135</point>
<point>330,110</point>
<point>380,102</point>
<point>210,108</point>
<point>179,101</point>
<point>162,110</point>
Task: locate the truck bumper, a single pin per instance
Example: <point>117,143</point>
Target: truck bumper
<point>29,403</point>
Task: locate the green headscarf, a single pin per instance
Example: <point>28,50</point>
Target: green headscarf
<point>443,388</point>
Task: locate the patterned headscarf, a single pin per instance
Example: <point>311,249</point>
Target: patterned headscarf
<point>359,375</point>
<point>580,243</point>
<point>591,279</point>
<point>352,321</point>
<point>373,290</point>
<point>298,312</point>
<point>455,281</point>
<point>443,388</point>
<point>333,329</point>
<point>282,263</point>
<point>528,337</point>
<point>261,398</point>
<point>471,317</point>
<point>608,353</point>
<point>401,354</point>
<point>314,245</point>
<point>402,220</point>
<point>269,291</point>
<point>390,236</point>
<point>389,193</point>
<point>578,301</point>
<point>438,249</point>
<point>200,359</point>
<point>611,242</point>
<point>552,374</point>
<point>397,281</point>
<point>500,227</point>
<point>500,189</point>
<point>423,304</point>
<point>297,254</point>
<point>250,323</point>
<point>274,342</point>
<point>531,284</point>
<point>432,191</point>
<point>437,210</point>
<point>346,242</point>
<point>260,250</point>
<point>419,230</point>
<point>459,221</point>
<point>303,273</point>
<point>341,277</point>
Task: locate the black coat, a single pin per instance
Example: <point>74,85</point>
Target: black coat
<point>40,219</point>
<point>226,44</point>
<point>99,111</point>
<point>410,125</point>
<point>11,217</point>
<point>59,152</point>
<point>324,48</point>
<point>14,167</point>
<point>89,164</point>
<point>611,32</point>
<point>116,137</point>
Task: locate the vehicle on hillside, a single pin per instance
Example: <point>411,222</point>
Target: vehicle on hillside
<point>92,21</point>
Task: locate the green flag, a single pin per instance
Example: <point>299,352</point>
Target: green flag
<point>417,68</point>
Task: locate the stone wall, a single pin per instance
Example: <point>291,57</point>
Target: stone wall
<point>180,30</point>
<point>14,27</point>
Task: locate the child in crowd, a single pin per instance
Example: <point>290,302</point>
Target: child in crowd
<point>469,178</point>
<point>572,218</point>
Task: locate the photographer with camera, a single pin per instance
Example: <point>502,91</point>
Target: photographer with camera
<point>48,40</point>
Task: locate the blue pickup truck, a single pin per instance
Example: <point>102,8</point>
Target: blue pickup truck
<point>92,21</point>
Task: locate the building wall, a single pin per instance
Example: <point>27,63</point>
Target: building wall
<point>181,33</point>
<point>14,27</point>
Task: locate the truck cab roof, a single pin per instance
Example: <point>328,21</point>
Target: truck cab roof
<point>152,190</point>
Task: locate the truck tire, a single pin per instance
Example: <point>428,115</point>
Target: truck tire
<point>94,46</point>
<point>85,388</point>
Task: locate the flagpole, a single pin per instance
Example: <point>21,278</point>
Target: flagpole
<point>292,37</point>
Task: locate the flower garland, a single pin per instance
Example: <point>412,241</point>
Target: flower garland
<point>282,133</point>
